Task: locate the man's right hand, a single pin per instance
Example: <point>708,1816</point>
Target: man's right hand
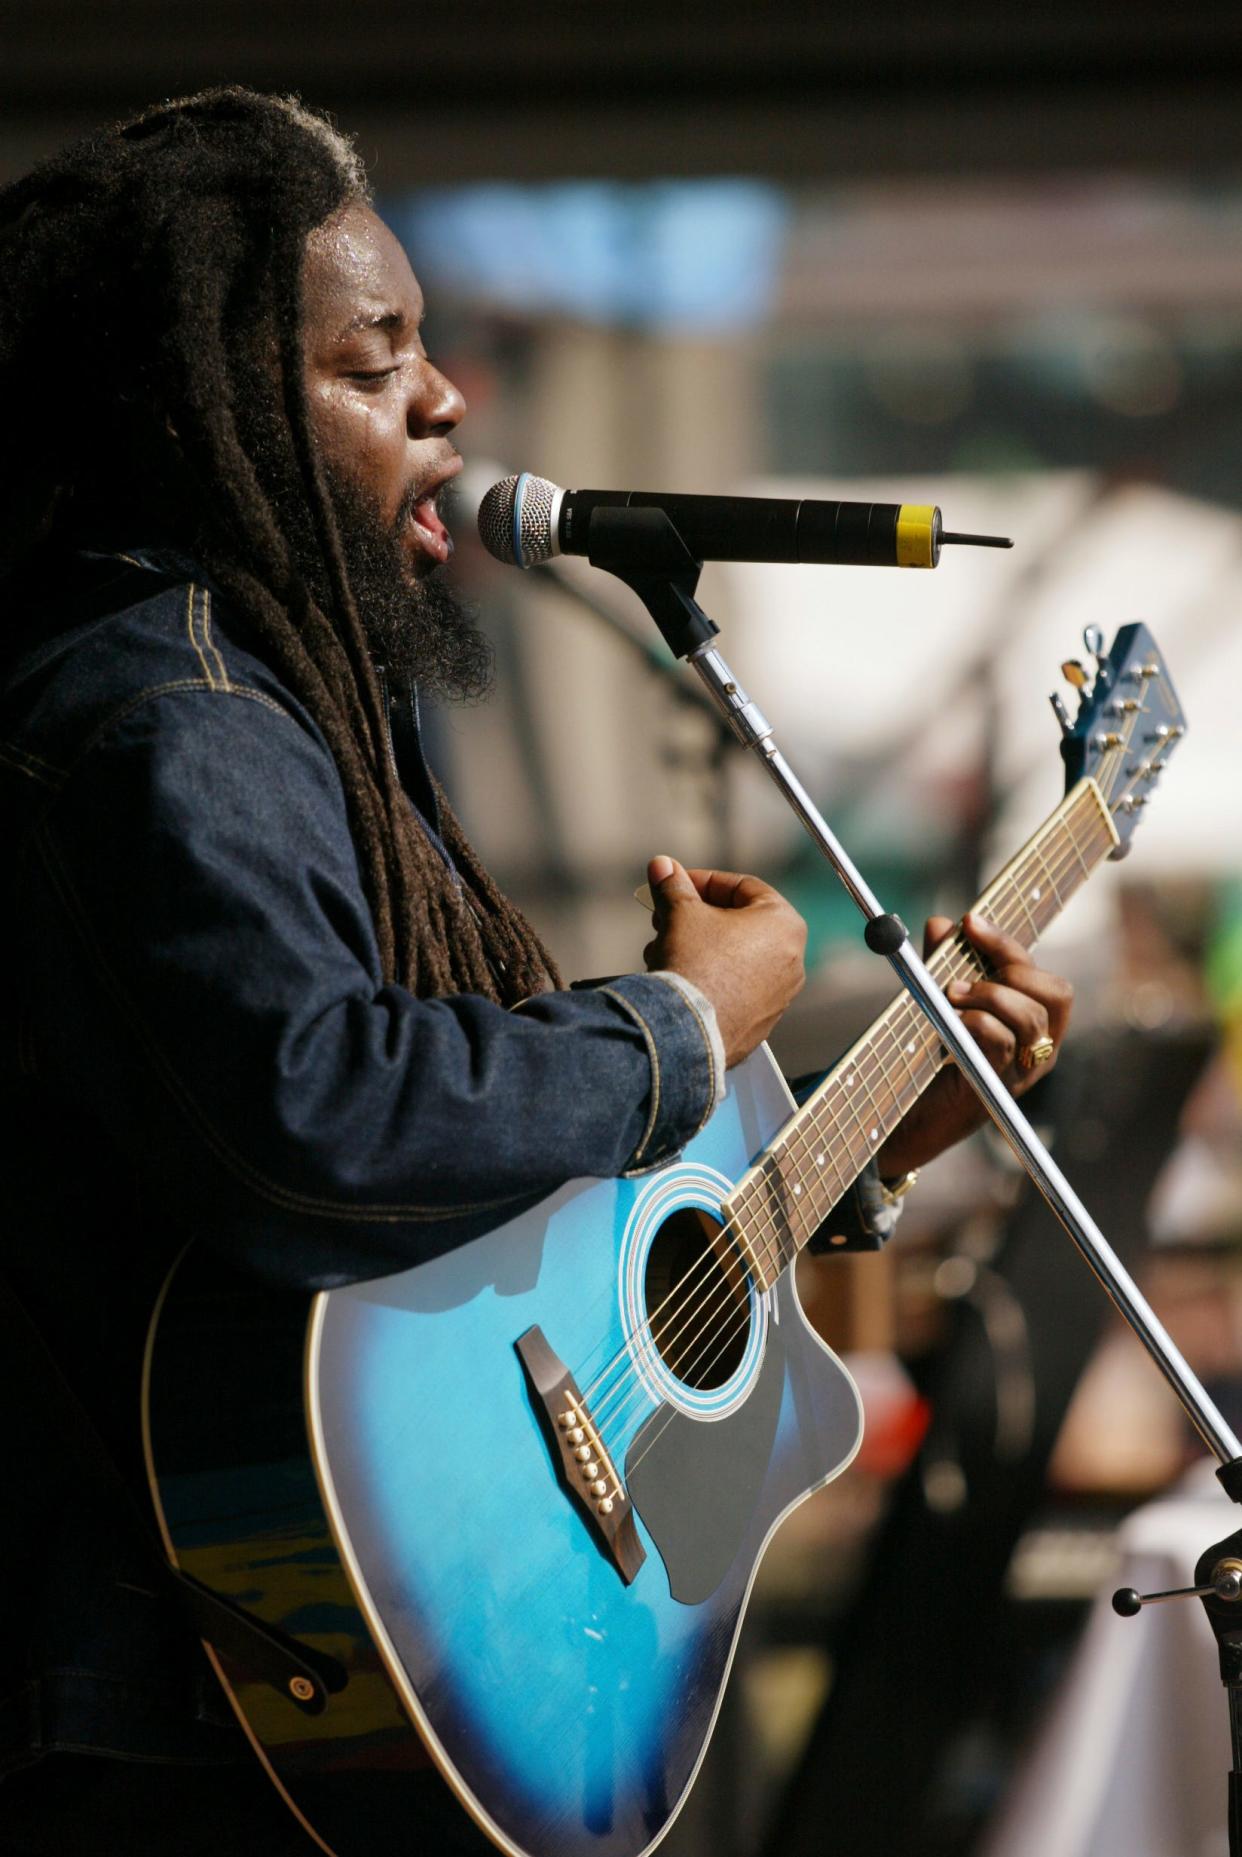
<point>736,938</point>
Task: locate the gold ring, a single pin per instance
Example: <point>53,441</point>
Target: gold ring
<point>1032,1056</point>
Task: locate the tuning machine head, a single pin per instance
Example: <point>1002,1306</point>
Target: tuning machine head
<point>1080,680</point>
<point>1093,640</point>
<point>1061,713</point>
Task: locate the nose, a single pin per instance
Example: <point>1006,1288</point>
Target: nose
<point>436,407</point>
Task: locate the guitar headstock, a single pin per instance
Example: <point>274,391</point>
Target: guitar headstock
<point>1128,723</point>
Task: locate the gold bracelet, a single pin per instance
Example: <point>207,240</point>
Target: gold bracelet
<point>898,1190</point>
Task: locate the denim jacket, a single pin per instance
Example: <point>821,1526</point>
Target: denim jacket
<point>201,1044</point>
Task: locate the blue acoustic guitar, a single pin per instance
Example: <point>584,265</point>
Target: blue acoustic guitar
<point>504,1510</point>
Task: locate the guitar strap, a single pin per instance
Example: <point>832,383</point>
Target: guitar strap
<point>302,1674</point>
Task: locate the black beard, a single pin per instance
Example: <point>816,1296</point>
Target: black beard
<point>419,630</point>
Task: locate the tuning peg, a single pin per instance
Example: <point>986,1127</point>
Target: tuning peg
<point>1093,639</point>
<point>1075,672</point>
<point>1061,713</point>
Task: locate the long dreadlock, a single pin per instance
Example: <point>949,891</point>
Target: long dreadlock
<point>158,265</point>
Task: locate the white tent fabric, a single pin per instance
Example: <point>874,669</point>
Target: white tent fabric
<point>863,664</point>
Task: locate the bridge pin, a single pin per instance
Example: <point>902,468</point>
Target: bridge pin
<point>605,1507</point>
<point>583,1453</point>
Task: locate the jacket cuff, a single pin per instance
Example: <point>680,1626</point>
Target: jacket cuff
<point>679,1029</point>
<point>862,1220</point>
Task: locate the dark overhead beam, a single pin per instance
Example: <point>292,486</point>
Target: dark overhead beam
<point>542,89</point>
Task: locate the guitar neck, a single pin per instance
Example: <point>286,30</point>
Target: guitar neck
<point>782,1201</point>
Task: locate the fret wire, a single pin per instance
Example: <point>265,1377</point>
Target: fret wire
<point>826,1140</point>
<point>764,1274</point>
<point>856,1140</point>
<point>897,1026</point>
<point>1048,874</point>
<point>1086,868</point>
<point>881,1114</point>
<point>847,1086</point>
<point>1021,896</point>
<point>749,1250</point>
<point>774,1206</point>
<point>811,1182</point>
<point>763,1208</point>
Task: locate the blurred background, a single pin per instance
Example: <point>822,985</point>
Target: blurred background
<point>991,258</point>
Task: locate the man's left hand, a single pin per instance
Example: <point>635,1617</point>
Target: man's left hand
<point>1006,1015</point>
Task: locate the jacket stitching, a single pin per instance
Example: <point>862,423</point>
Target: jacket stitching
<point>654,1057</point>
<point>286,1197</point>
<point>210,642</point>
<point>706,1116</point>
<point>31,766</point>
<point>166,689</point>
<point>189,620</point>
<point>28,754</point>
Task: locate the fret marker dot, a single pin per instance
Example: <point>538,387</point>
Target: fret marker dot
<point>1036,893</point>
<point>875,1134</point>
<point>797,1189</point>
<point>911,1046</point>
<point>849,1079</point>
<point>819,1160</point>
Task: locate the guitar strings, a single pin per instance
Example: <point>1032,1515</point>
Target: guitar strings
<point>961,958</point>
<point>745,1314</point>
<point>722,1298</point>
<point>958,948</point>
<point>723,1290</point>
<point>725,1336</point>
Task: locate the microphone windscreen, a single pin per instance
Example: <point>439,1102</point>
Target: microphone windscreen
<point>516,520</point>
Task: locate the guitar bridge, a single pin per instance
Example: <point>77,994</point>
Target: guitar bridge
<point>586,1467</point>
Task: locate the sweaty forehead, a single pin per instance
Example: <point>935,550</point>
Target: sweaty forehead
<point>356,275</point>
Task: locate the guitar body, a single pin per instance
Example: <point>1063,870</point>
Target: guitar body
<point>370,1471</point>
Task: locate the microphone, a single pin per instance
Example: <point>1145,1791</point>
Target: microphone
<point>524,520</point>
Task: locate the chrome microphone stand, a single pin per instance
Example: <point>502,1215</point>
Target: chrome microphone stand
<point>642,547</point>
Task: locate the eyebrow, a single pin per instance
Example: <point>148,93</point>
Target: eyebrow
<point>387,320</point>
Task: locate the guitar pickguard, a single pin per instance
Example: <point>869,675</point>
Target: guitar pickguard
<point>706,1490</point>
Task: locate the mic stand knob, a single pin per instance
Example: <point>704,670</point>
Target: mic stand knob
<point>1226,1583</point>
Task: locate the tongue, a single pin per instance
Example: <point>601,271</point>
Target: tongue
<point>439,541</point>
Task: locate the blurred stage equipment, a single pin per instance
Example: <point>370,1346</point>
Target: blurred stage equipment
<point>525,520</point>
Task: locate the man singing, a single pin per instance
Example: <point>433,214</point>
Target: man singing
<point>261,992</point>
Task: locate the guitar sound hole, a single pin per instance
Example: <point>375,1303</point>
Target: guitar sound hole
<point>696,1296</point>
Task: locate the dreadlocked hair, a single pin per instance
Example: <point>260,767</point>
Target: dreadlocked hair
<point>164,256</point>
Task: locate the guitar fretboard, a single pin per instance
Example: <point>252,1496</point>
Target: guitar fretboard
<point>782,1201</point>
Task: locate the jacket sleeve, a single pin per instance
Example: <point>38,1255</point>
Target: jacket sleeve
<point>207,981</point>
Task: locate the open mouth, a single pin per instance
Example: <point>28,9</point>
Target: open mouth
<point>426,523</point>
<point>430,532</point>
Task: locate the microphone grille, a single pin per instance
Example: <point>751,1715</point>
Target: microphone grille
<point>515,520</point>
